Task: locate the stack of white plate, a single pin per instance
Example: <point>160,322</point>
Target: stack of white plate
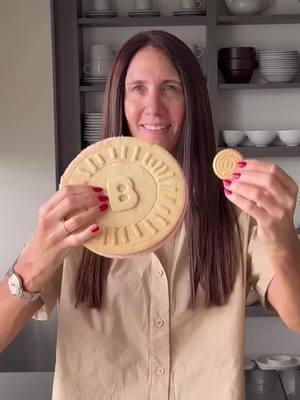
<point>191,11</point>
<point>278,66</point>
<point>93,127</point>
<point>104,13</point>
<point>143,13</point>
<point>93,80</point>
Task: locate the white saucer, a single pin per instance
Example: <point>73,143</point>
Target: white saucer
<point>263,363</point>
<point>144,13</point>
<point>191,11</point>
<point>96,13</point>
<point>248,364</point>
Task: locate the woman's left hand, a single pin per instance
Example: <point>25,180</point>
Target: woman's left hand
<point>269,195</point>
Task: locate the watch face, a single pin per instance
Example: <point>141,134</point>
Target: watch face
<point>14,285</point>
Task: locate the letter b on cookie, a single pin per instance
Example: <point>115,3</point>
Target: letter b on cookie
<point>122,195</point>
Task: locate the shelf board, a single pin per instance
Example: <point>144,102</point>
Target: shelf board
<point>274,85</point>
<point>257,310</point>
<point>142,21</point>
<point>99,87</point>
<point>258,19</point>
<point>267,151</point>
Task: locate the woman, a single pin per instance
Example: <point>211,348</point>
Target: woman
<point>168,324</point>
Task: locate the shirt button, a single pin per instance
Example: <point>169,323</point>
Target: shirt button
<point>159,272</point>
<point>160,371</point>
<point>159,322</point>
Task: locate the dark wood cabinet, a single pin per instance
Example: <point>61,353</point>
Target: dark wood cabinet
<point>69,24</point>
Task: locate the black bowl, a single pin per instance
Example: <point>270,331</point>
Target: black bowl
<point>237,52</point>
<point>238,63</point>
<point>237,75</point>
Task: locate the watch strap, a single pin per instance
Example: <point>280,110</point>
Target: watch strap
<point>24,295</point>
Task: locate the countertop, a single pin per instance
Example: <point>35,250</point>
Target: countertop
<point>260,385</point>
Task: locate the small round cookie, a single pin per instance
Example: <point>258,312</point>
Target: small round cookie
<point>224,163</point>
<point>147,194</point>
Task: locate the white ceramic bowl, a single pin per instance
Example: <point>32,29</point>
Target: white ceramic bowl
<point>240,7</point>
<point>279,77</point>
<point>232,138</point>
<point>290,137</point>
<point>261,138</point>
<point>278,360</point>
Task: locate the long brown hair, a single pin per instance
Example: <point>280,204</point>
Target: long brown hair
<point>210,218</point>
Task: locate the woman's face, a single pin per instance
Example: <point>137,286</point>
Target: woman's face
<point>154,101</point>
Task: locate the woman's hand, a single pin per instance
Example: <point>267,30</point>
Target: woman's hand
<point>269,195</point>
<point>65,221</point>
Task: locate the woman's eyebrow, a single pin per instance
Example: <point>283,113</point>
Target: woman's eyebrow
<point>141,82</point>
<point>172,81</point>
<point>136,82</point>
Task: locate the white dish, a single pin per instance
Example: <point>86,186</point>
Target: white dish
<point>149,10</point>
<point>252,297</point>
<point>264,363</point>
<point>261,138</point>
<point>248,364</point>
<point>143,13</point>
<point>243,7</point>
<point>232,137</point>
<point>101,14</point>
<point>279,78</point>
<point>179,13</point>
<point>289,137</point>
<point>281,360</point>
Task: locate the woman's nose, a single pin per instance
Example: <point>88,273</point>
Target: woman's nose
<point>153,102</point>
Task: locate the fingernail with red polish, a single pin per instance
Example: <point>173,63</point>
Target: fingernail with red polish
<point>103,198</point>
<point>241,164</point>
<point>226,182</point>
<point>95,229</point>
<point>103,207</point>
<point>97,189</point>
<point>236,175</point>
<point>227,192</point>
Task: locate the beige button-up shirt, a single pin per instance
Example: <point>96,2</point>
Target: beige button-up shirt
<point>145,343</point>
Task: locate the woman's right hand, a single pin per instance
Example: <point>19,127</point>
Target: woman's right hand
<point>65,221</point>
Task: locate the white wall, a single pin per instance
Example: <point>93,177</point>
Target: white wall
<point>27,160</point>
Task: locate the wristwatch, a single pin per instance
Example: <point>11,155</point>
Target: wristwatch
<point>16,288</point>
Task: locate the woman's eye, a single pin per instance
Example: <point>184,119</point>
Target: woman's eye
<point>138,89</point>
<point>171,89</point>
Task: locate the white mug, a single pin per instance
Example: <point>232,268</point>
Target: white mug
<point>197,50</point>
<point>142,4</point>
<point>98,68</point>
<point>101,5</point>
<point>191,4</point>
<point>101,51</point>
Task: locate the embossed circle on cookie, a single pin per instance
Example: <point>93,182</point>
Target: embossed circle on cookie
<point>224,163</point>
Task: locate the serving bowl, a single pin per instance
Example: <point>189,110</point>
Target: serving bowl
<point>261,138</point>
<point>237,52</point>
<point>278,360</point>
<point>291,137</point>
<point>237,75</point>
<point>238,63</point>
<point>232,137</point>
<point>242,7</point>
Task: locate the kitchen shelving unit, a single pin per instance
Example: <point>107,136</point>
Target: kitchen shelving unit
<point>69,24</point>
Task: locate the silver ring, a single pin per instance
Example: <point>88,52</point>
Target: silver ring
<point>65,228</point>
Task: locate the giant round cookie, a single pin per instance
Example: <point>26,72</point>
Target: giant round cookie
<point>146,189</point>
